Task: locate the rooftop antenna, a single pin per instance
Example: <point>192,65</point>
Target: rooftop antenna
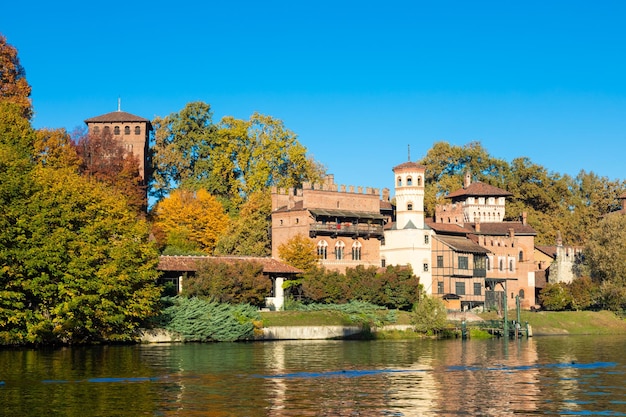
<point>119,104</point>
<point>409,145</point>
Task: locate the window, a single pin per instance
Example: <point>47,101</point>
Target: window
<point>322,249</point>
<point>116,130</point>
<point>419,181</point>
<point>137,130</point>
<point>107,130</point>
<point>383,262</point>
<point>399,182</point>
<point>521,256</point>
<point>439,261</point>
<point>339,250</point>
<point>501,265</point>
<point>459,288</point>
<point>478,289</point>
<point>409,181</point>
<point>521,294</point>
<point>96,130</point>
<point>511,265</point>
<point>439,287</point>
<point>426,239</point>
<point>409,206</point>
<point>425,267</point>
<point>356,251</point>
<point>127,130</point>
<point>463,262</point>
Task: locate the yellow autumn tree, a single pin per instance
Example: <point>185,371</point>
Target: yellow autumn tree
<point>190,221</point>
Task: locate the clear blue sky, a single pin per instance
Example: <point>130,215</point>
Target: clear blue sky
<point>357,81</point>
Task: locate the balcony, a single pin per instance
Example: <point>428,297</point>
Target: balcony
<point>364,230</point>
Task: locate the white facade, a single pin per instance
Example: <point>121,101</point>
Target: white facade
<point>409,240</point>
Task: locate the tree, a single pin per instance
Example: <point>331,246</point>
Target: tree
<point>400,288</point>
<point>13,85</point>
<point>249,232</point>
<point>232,160</point>
<point>104,158</point>
<point>230,281</point>
<point>83,263</point>
<point>605,252</point>
<point>182,151</point>
<point>194,216</point>
<point>555,297</point>
<point>299,252</point>
<point>429,315</point>
<point>54,148</point>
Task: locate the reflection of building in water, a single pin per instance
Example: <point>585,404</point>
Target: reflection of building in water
<point>488,390</point>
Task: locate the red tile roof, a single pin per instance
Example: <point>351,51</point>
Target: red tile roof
<point>479,189</point>
<point>191,263</point>
<point>117,116</point>
<point>462,244</point>
<point>409,165</point>
<point>494,229</point>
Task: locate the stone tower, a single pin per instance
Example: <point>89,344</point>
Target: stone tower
<point>133,131</point>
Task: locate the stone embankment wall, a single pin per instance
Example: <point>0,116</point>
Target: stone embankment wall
<point>278,333</point>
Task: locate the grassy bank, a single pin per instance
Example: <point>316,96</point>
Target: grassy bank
<point>543,322</point>
<point>574,322</point>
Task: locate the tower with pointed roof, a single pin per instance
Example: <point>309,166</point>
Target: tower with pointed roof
<point>133,131</point>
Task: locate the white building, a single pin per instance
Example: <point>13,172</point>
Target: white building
<point>408,240</point>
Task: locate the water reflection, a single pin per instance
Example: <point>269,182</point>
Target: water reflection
<point>541,376</point>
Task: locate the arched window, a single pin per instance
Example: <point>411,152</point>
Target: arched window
<point>399,182</point>
<point>127,130</point>
<point>419,181</point>
<point>339,250</point>
<point>116,130</point>
<point>107,130</point>
<point>501,265</point>
<point>409,206</point>
<point>521,256</point>
<point>322,249</point>
<point>96,129</point>
<point>137,130</point>
<point>356,251</point>
<point>521,293</point>
<point>409,181</point>
<point>511,265</point>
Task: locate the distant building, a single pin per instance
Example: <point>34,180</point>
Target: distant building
<point>133,131</point>
<point>477,255</point>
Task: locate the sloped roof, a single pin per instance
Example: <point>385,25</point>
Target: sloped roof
<point>191,263</point>
<point>117,116</point>
<point>462,244</point>
<point>346,213</point>
<point>409,165</point>
<point>479,189</point>
<point>548,250</point>
<point>494,229</point>
<point>501,228</point>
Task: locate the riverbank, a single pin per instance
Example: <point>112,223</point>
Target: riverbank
<point>542,322</point>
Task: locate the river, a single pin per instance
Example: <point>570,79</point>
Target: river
<point>564,375</point>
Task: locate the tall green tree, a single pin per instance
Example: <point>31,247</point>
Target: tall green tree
<point>232,160</point>
<point>184,144</point>
<point>605,252</point>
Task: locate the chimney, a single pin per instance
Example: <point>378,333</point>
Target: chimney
<point>477,226</point>
<point>468,179</point>
<point>292,201</point>
<point>524,215</point>
<point>511,232</point>
<point>385,194</point>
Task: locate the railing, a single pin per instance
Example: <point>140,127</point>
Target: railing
<point>339,229</point>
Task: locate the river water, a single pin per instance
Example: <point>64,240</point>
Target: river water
<point>565,375</point>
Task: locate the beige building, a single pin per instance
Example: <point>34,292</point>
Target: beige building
<point>133,131</point>
<point>488,258</point>
<point>344,223</point>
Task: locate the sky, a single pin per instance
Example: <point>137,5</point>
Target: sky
<point>359,82</point>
